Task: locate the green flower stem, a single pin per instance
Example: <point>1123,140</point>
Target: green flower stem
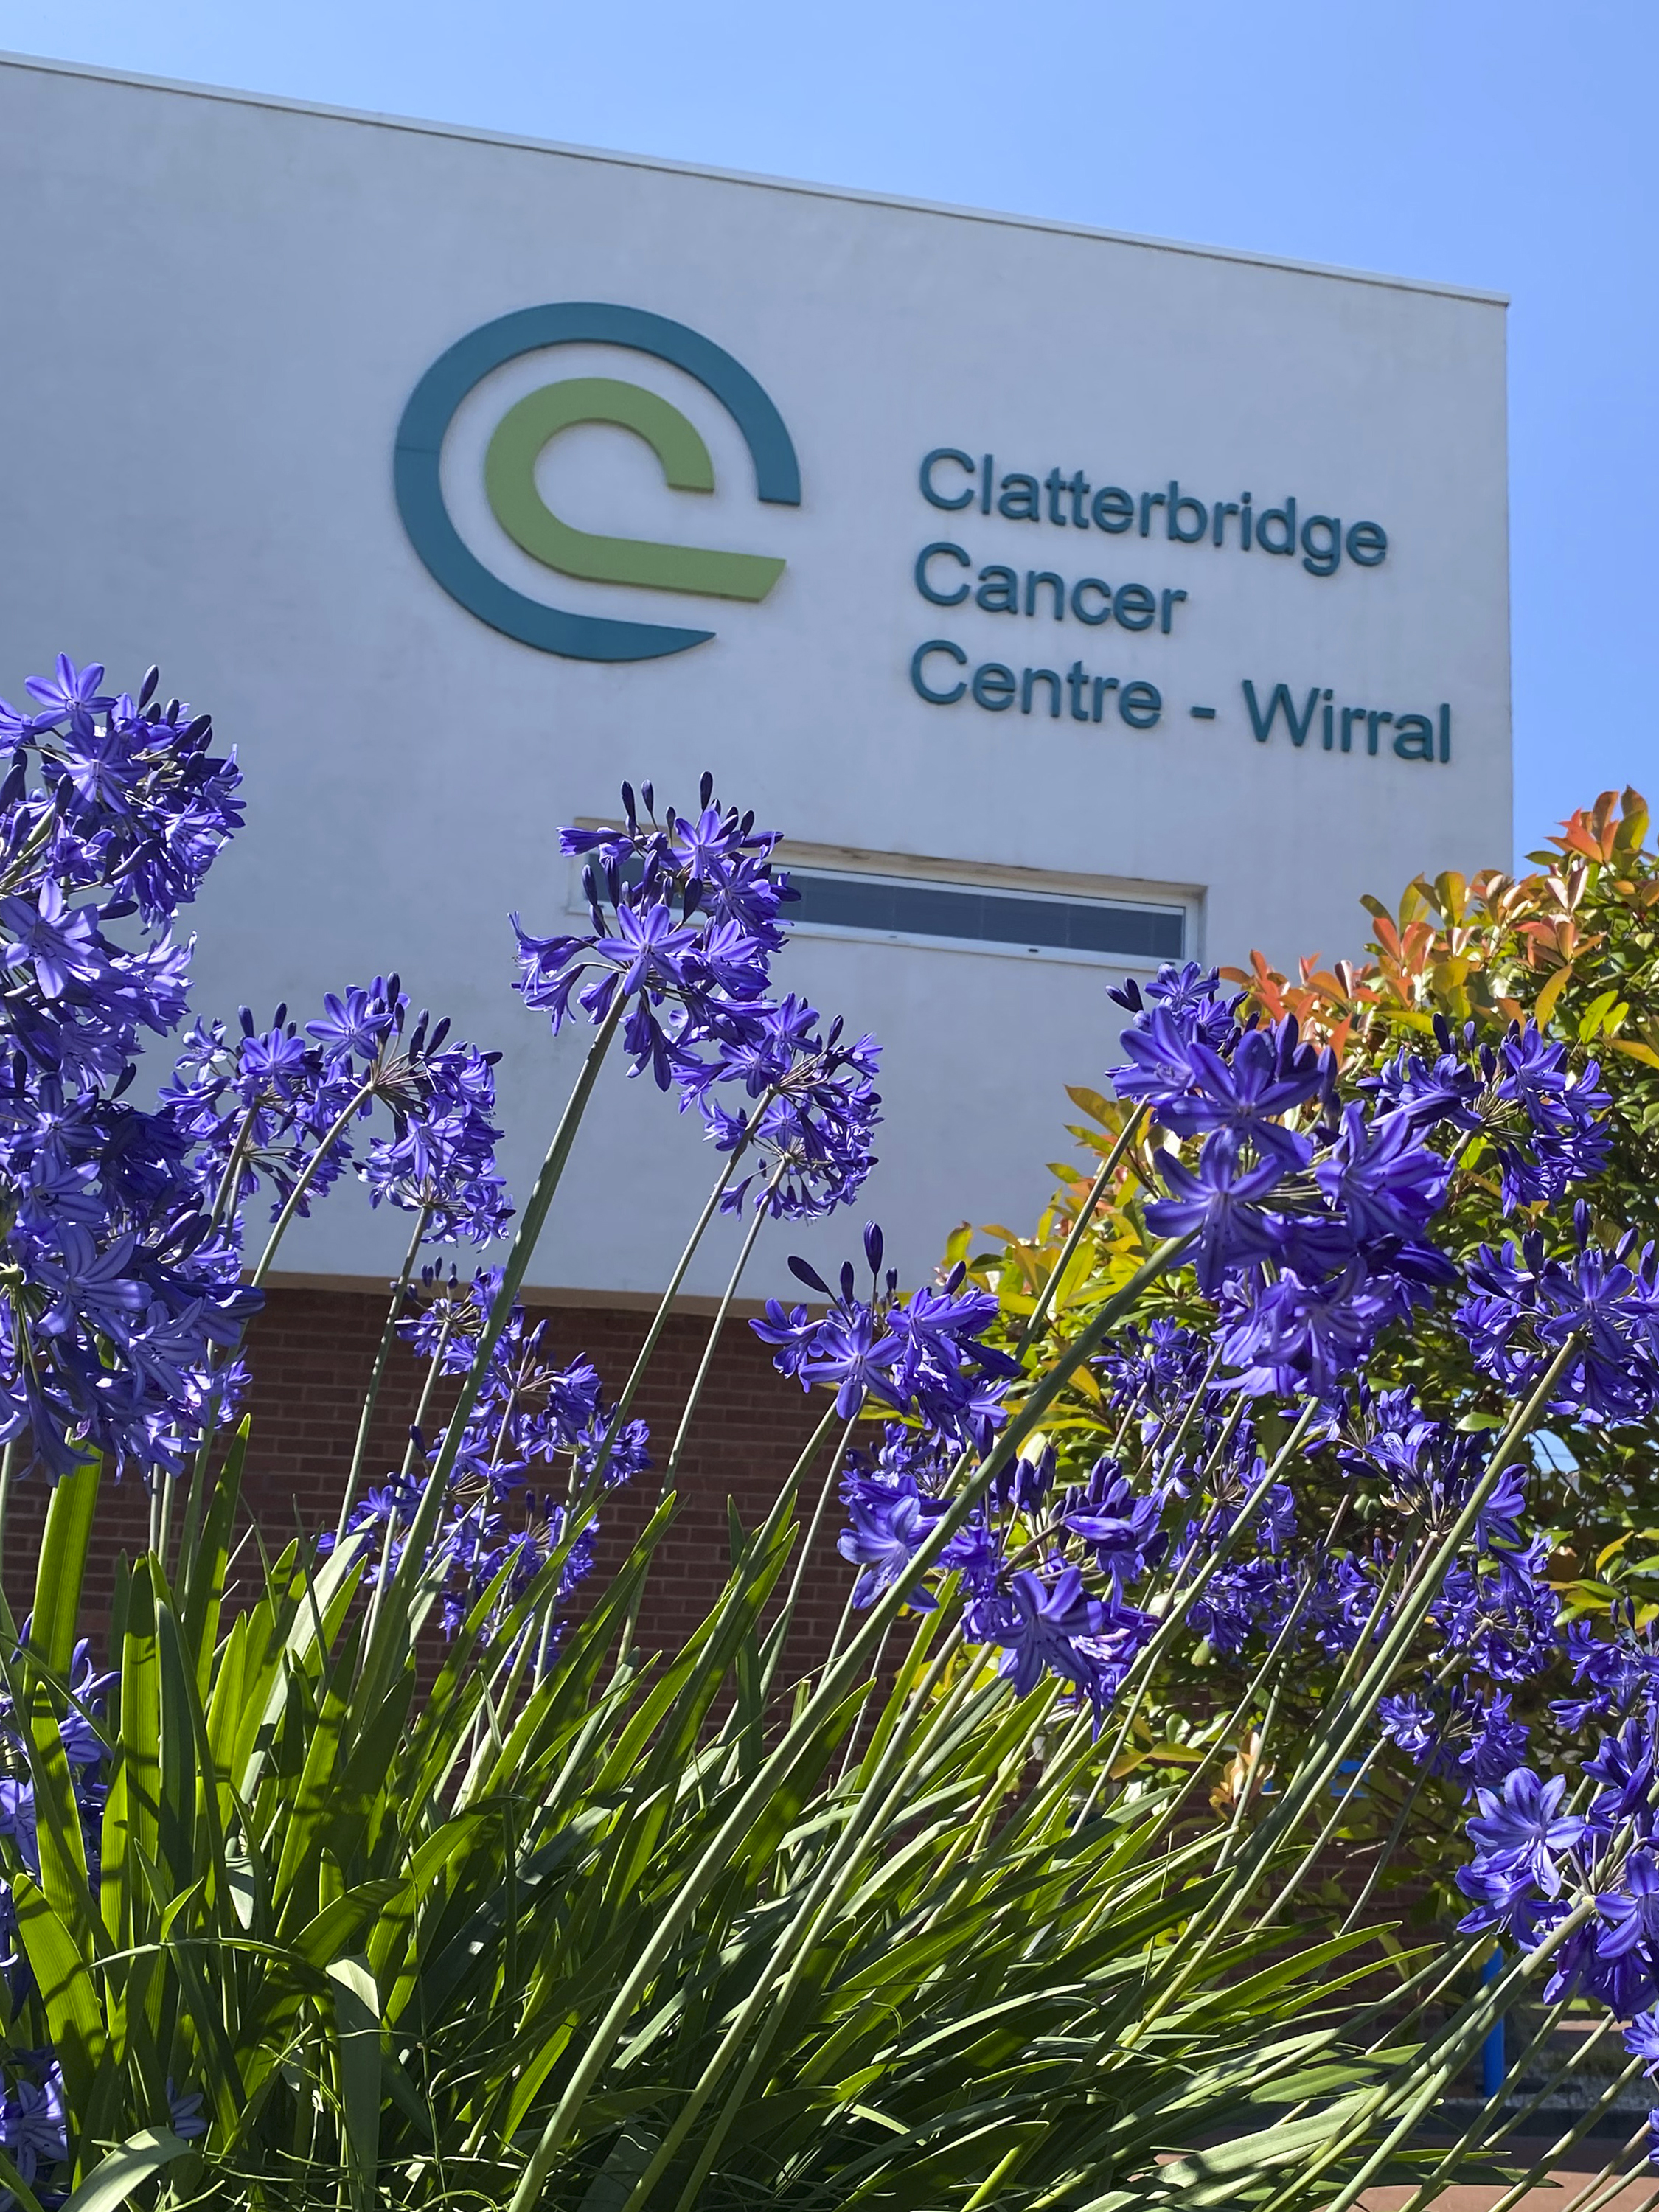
<point>1414,1606</point>
<point>161,1513</point>
<point>778,1633</point>
<point>1425,2078</point>
<point>526,1237</point>
<point>665,1303</point>
<point>1257,1761</point>
<point>1223,1732</point>
<point>1168,1453</point>
<point>1182,1601</point>
<point>772,1650</point>
<point>624,1650</point>
<point>307,1177</point>
<point>1493,2108</point>
<point>1255,1756</point>
<point>1333,1821</point>
<point>974,1838</point>
<point>842,1623</point>
<point>1343,1728</point>
<point>1478,2134</point>
<point>716,1328</point>
<point>1615,2187</point>
<point>1386,1596</point>
<point>380,1580</point>
<point>854,1732</point>
<point>1602,2188</point>
<point>1338,1734</point>
<point>835,1683</point>
<point>435,1369</point>
<point>1097,1190</point>
<point>840,1866</point>
<point>1425,1985</point>
<point>1206,1474</point>
<point>7,1466</point>
<point>1468,2042</point>
<point>1480,2130</point>
<point>388,1337</point>
<point>1078,1749</point>
<point>232,1175</point>
<point>1391,1843</point>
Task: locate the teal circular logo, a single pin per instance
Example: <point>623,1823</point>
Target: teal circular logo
<point>522,435</point>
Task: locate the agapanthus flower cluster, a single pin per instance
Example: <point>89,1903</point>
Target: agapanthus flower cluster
<point>1457,1735</point>
<point>1545,1125</point>
<point>1542,1860</point>
<point>921,1356</point>
<point>114,807</point>
<point>1493,1626</point>
<point>1599,1306</point>
<point>686,917</point>
<point>1566,1861</point>
<point>121,1306</point>
<point>1426,1469</point>
<point>1068,1568</point>
<point>1500,1612</point>
<point>119,1300</point>
<point>1613,1674</point>
<point>1310,1220</point>
<point>1153,1375</point>
<point>277,1106</point>
<point>537,1431</point>
<point>1546,1853</point>
<point>894,1495</point>
<point>1055,1564</point>
<point>1308,1217</point>
<point>815,1114</point>
<point>1311,1215</point>
<point>1042,1617</point>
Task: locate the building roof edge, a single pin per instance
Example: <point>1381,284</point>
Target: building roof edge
<point>46,65</point>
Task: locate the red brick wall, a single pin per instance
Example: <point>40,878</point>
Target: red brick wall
<point>311,1351</point>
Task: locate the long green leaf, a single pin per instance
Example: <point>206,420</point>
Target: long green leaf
<point>62,1567</point>
<point>207,1561</point>
<point>75,2018</point>
<point>126,2168</point>
<point>357,2040</point>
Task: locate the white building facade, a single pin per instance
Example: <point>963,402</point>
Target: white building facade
<point>1070,602</point>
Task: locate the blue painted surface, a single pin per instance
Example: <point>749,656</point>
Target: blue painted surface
<point>431,409</point>
<point>1494,2056</point>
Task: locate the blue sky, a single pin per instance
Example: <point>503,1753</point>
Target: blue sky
<point>1507,146</point>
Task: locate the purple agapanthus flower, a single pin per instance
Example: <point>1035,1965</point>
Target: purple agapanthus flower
<point>1040,1630</point>
<point>32,2123</point>
<point>883,1539</point>
<point>1220,1204</point>
<point>1631,1911</point>
<point>1245,1095</point>
<point>1523,1830</point>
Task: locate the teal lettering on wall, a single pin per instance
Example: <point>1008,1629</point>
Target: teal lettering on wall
<point>1314,542</point>
<point>1064,499</point>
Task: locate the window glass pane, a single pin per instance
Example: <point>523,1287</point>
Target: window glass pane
<point>919,909</point>
<point>983,917</point>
